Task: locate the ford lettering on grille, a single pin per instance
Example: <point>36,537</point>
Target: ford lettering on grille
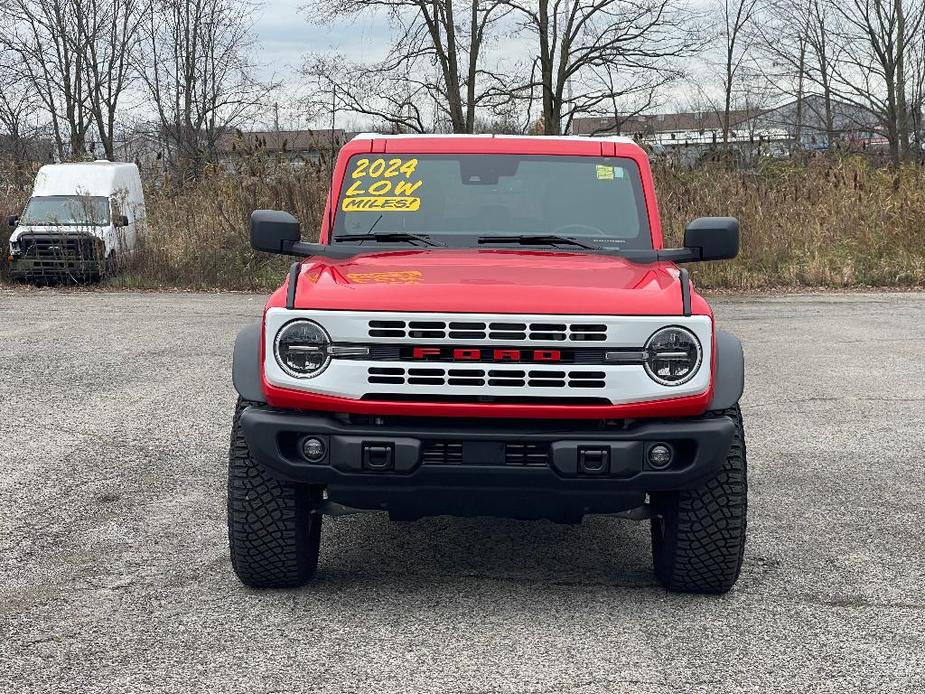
<point>489,354</point>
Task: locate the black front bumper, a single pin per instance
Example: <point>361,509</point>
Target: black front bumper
<point>60,254</point>
<point>559,470</point>
<point>30,268</point>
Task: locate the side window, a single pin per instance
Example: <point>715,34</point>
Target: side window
<point>119,207</point>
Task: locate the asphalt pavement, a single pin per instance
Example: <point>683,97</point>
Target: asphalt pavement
<point>115,410</point>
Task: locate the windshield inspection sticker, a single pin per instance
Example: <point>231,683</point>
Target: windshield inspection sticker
<point>609,173</point>
<point>382,185</point>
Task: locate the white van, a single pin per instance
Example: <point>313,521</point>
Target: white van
<point>81,219</point>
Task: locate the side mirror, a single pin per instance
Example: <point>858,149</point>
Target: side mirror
<point>12,221</point>
<point>120,220</point>
<point>713,238</point>
<point>274,231</point>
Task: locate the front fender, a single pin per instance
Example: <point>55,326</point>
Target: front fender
<point>245,367</point>
<point>730,371</point>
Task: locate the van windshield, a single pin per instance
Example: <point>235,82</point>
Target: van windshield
<point>461,198</point>
<point>67,210</point>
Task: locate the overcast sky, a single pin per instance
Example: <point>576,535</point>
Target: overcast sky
<point>285,35</point>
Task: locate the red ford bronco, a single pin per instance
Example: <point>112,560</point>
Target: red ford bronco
<point>489,325</point>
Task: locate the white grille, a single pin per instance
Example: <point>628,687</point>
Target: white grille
<point>487,377</point>
<point>356,378</point>
<point>501,331</point>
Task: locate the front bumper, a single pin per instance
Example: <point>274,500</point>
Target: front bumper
<point>57,255</point>
<point>33,268</point>
<point>558,470</point>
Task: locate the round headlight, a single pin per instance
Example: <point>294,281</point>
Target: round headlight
<point>673,356</point>
<point>302,349</point>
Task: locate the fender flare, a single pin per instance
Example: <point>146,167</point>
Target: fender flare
<point>730,371</point>
<point>245,366</point>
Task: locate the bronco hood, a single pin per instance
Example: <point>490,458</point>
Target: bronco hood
<point>491,281</point>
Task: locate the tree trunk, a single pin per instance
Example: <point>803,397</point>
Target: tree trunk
<point>728,102</point>
<point>798,129</point>
<point>453,87</point>
<point>902,118</point>
<point>475,41</point>
<point>550,118</point>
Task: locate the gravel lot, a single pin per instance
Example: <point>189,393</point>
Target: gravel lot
<point>114,571</point>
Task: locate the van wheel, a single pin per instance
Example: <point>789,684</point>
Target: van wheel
<point>110,266</point>
<point>698,535</point>
<point>273,537</point>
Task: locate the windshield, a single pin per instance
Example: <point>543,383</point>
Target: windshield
<point>460,198</point>
<point>67,210</point>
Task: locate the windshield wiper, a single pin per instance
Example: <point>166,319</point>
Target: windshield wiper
<point>538,240</point>
<point>388,237</point>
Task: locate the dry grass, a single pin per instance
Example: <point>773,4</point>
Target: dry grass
<point>829,223</point>
<point>840,223</point>
<point>198,233</point>
<point>15,186</point>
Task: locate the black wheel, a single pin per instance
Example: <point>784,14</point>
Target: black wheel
<point>698,536</point>
<point>273,537</point>
<point>111,266</point>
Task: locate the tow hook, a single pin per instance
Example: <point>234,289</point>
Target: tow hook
<point>327,507</point>
<point>640,513</point>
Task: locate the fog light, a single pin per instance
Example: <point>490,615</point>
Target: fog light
<point>660,456</point>
<point>313,449</point>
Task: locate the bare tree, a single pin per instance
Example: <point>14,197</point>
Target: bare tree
<point>196,63</point>
<point>110,30</point>
<point>394,95</point>
<point>76,57</point>
<point>917,94</point>
<point>49,50</point>
<point>798,41</point>
<point>736,17</point>
<point>436,67</point>
<point>877,41</point>
<point>783,45</point>
<point>619,98</point>
<point>822,24</point>
<point>591,53</point>
<point>17,106</point>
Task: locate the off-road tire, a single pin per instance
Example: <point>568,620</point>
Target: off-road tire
<point>698,536</point>
<point>273,537</point>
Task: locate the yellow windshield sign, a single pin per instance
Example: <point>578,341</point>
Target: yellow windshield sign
<point>390,204</point>
<point>382,185</point>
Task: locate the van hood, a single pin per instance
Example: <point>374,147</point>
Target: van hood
<point>97,231</point>
<point>491,281</point>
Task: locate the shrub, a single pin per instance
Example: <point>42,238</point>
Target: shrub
<point>825,223</point>
<point>198,232</point>
<point>829,222</point>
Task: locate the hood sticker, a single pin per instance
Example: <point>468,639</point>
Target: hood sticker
<point>399,277</point>
<point>381,185</point>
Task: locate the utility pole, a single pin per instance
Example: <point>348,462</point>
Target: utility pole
<point>333,118</point>
<point>331,158</point>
